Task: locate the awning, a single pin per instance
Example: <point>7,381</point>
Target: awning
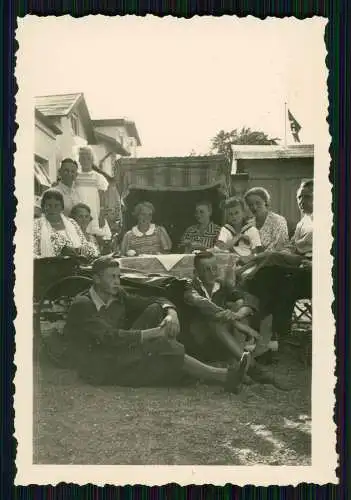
<point>180,178</point>
<point>173,174</point>
<point>41,175</point>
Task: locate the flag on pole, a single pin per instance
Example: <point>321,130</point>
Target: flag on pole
<point>295,127</point>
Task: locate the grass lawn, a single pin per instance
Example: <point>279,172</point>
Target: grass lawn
<point>195,425</point>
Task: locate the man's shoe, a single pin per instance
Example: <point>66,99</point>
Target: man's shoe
<point>236,374</point>
<point>265,358</point>
<point>259,374</point>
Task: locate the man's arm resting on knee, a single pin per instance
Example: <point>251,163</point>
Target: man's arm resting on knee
<point>152,333</point>
<point>85,324</point>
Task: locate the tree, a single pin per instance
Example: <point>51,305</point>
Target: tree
<point>221,143</point>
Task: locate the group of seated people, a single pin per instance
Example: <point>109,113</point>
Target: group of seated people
<point>129,340</point>
<point>241,234</point>
<point>72,222</point>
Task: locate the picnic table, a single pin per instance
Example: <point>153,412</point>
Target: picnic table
<point>178,265</point>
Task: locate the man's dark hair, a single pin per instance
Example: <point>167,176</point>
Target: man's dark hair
<point>199,257</point>
<point>104,262</point>
<point>69,160</point>
<point>307,184</point>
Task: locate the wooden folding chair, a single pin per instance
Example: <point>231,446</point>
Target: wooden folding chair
<point>302,312</point>
<point>302,324</point>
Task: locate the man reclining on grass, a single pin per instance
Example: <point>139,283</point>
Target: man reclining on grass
<point>128,340</point>
<point>219,312</point>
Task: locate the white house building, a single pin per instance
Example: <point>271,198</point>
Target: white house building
<point>70,113</point>
<point>63,122</point>
<point>124,133</point>
<point>45,151</point>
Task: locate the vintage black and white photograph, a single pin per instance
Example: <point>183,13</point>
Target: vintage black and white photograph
<point>173,267</point>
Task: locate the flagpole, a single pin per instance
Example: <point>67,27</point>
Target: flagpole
<point>285,120</point>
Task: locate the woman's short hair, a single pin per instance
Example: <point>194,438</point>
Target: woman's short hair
<point>52,194</point>
<point>205,203</point>
<point>234,201</point>
<point>79,206</point>
<point>85,147</point>
<point>258,191</point>
<point>143,204</point>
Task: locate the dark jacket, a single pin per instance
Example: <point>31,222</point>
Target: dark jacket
<point>102,339</point>
<point>195,297</point>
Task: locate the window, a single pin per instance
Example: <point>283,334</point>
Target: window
<point>43,163</point>
<point>41,178</point>
<point>37,188</point>
<point>122,140</point>
<point>118,137</point>
<point>75,124</point>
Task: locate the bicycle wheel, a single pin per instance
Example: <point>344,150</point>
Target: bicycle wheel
<point>52,314</point>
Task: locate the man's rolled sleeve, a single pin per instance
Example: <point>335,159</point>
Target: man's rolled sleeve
<point>130,338</point>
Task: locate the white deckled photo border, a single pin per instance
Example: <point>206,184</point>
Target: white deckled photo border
<point>324,455</point>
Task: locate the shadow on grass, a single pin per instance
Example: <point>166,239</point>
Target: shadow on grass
<point>75,423</point>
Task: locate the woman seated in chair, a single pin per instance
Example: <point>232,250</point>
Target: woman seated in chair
<point>239,235</point>
<point>81,213</point>
<point>272,227</point>
<point>55,234</point>
<point>281,278</point>
<point>200,236</point>
<point>302,240</point>
<point>145,238</point>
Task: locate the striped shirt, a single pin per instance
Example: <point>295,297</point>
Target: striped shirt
<point>200,239</point>
<point>154,241</point>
